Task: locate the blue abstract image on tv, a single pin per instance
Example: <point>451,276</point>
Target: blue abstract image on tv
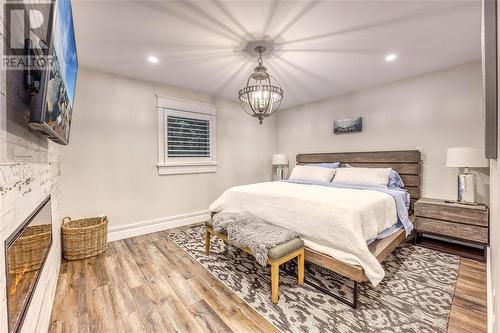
<point>61,83</point>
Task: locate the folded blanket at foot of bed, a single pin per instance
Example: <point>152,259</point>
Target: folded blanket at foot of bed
<point>248,231</point>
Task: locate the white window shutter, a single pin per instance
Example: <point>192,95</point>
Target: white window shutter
<point>186,137</point>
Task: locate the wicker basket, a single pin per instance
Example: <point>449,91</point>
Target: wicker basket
<point>84,238</point>
<point>29,250</point>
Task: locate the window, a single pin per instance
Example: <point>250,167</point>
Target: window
<point>186,137</point>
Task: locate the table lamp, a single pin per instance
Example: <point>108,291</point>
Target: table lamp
<point>466,157</point>
<point>280,164</point>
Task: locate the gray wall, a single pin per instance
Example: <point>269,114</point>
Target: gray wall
<point>109,167</point>
<point>433,111</point>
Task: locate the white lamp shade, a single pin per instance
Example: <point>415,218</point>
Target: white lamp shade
<point>280,159</point>
<point>466,157</point>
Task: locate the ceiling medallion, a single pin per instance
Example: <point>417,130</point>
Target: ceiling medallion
<point>262,95</point>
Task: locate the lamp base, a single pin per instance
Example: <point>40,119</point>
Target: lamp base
<point>280,172</point>
<point>466,188</point>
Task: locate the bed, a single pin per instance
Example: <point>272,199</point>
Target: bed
<point>353,266</point>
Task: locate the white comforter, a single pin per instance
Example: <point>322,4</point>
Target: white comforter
<point>333,221</point>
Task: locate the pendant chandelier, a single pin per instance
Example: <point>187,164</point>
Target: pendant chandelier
<point>262,95</point>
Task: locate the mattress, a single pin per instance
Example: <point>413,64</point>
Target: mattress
<point>335,221</point>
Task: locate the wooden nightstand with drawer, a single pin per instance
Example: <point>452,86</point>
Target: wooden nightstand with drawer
<point>464,223</point>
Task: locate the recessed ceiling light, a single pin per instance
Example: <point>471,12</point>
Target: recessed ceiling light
<point>391,57</point>
<point>153,59</point>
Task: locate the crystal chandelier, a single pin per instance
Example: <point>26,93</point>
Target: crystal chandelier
<point>262,95</point>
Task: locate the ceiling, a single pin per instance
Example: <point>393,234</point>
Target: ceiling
<point>322,48</point>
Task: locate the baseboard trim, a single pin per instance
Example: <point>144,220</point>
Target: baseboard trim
<point>150,226</point>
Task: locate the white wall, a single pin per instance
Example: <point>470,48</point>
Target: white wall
<point>433,111</point>
<point>494,250</point>
<point>109,167</point>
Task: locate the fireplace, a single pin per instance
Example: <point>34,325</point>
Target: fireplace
<point>25,253</point>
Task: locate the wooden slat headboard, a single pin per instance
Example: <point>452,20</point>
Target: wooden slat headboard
<point>406,162</point>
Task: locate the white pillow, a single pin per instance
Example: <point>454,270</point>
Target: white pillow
<point>314,173</point>
<point>363,176</point>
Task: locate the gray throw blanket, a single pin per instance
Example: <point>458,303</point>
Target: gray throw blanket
<point>249,231</point>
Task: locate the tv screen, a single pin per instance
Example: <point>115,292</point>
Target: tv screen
<point>52,109</point>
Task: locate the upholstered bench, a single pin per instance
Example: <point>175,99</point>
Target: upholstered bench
<point>277,256</point>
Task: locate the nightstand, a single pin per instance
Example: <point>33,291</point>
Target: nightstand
<point>464,223</point>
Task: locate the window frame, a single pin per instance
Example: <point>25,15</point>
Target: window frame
<point>188,109</point>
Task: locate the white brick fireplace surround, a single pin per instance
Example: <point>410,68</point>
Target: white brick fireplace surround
<point>29,172</point>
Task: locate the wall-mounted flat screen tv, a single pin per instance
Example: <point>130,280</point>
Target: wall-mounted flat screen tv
<point>52,107</point>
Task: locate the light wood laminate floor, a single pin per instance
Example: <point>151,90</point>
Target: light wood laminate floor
<point>148,284</point>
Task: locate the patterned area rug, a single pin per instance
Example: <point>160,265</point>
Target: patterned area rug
<point>415,295</point>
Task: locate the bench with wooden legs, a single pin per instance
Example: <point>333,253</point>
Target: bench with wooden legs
<point>277,256</point>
